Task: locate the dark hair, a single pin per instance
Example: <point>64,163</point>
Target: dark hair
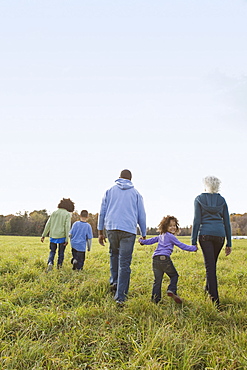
<point>126,174</point>
<point>165,222</point>
<point>84,213</point>
<point>67,204</point>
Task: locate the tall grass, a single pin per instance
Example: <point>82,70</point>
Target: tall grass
<point>69,320</point>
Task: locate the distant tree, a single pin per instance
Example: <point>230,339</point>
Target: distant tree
<point>238,223</point>
<point>185,231</point>
<point>37,221</point>
<point>92,220</point>
<point>152,231</point>
<point>19,224</point>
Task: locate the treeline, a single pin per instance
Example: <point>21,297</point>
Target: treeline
<point>238,225</point>
<point>32,224</point>
<point>183,231</point>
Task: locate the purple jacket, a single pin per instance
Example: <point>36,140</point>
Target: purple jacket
<point>166,244</point>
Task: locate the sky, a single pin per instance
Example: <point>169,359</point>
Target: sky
<point>91,87</point>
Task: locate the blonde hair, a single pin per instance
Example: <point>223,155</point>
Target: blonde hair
<point>212,184</point>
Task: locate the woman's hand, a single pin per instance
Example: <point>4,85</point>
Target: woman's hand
<point>228,251</point>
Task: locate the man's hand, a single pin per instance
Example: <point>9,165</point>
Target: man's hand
<point>42,239</point>
<point>102,239</point>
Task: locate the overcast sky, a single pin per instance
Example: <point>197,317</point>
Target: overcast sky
<point>88,88</point>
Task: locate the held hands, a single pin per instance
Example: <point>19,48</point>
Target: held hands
<point>140,240</point>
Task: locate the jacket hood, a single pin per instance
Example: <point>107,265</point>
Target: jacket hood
<point>124,184</point>
<point>212,203</point>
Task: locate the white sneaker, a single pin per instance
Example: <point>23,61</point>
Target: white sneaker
<point>49,267</point>
<point>74,264</point>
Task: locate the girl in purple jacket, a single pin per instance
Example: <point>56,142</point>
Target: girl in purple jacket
<point>162,262</point>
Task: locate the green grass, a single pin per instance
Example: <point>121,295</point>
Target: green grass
<point>68,320</point>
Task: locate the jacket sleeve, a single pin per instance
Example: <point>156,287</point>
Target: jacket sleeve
<point>47,227</point>
<point>71,230</point>
<point>196,222</point>
<point>89,244</point>
<point>102,213</point>
<point>150,241</point>
<point>185,247</point>
<point>67,226</point>
<point>89,232</point>
<point>141,215</point>
<point>227,224</point>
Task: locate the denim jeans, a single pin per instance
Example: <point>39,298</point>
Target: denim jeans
<point>161,265</point>
<point>121,249</point>
<point>80,257</point>
<point>211,247</point>
<point>53,248</point>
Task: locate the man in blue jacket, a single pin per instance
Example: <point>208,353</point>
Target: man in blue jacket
<point>121,210</point>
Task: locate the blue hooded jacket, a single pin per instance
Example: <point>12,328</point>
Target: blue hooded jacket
<point>122,209</point>
<point>211,217</point>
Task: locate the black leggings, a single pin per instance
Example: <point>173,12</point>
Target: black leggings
<point>211,247</point>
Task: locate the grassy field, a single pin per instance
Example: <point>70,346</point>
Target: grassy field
<point>68,320</point>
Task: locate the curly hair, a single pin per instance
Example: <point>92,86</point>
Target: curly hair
<point>212,184</point>
<point>165,222</point>
<point>67,204</point>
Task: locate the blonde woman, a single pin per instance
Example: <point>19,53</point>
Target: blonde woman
<point>212,225</point>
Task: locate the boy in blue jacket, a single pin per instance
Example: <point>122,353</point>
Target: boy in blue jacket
<point>80,237</point>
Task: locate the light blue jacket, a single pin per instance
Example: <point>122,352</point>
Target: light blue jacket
<point>122,209</point>
<point>80,233</point>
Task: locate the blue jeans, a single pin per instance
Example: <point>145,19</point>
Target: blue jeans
<point>61,249</point>
<point>161,265</point>
<point>211,247</point>
<point>121,249</point>
<point>80,257</point>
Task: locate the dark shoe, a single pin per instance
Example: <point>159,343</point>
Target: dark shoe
<point>113,288</point>
<point>156,301</point>
<point>174,296</point>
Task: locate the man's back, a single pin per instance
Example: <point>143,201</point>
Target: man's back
<point>122,208</point>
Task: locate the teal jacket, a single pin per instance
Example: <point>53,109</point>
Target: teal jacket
<point>58,225</point>
<point>211,217</point>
